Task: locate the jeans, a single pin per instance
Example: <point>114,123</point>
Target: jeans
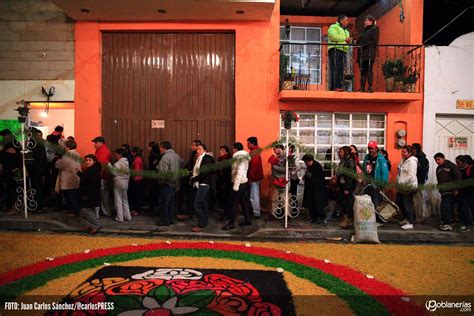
<point>447,205</point>
<point>167,204</point>
<point>201,205</point>
<point>121,201</point>
<point>88,216</point>
<point>466,207</point>
<point>241,197</point>
<point>255,197</point>
<point>336,63</point>
<point>406,203</point>
<point>71,201</point>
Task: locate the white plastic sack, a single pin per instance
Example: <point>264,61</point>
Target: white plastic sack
<point>365,224</point>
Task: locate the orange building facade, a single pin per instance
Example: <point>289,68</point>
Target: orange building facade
<point>258,101</point>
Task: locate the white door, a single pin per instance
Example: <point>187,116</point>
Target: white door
<point>454,135</point>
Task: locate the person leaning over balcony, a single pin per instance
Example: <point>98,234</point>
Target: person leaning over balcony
<point>407,184</point>
<point>367,42</point>
<point>338,38</point>
<point>346,178</point>
<point>466,193</point>
<point>240,186</point>
<point>201,180</point>
<point>255,174</point>
<point>448,177</point>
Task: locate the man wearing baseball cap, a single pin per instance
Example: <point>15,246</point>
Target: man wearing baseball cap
<point>103,155</point>
<point>375,165</point>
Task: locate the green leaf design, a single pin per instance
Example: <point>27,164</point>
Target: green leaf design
<point>204,312</point>
<point>197,299</point>
<point>162,293</point>
<point>127,302</point>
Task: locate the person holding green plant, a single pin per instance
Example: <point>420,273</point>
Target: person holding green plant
<point>338,38</point>
<point>367,51</point>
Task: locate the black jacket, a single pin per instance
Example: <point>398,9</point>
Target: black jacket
<point>315,195</point>
<point>346,175</point>
<point>423,168</point>
<point>89,188</point>
<point>467,174</point>
<point>224,176</point>
<point>446,173</point>
<point>205,174</point>
<point>368,40</point>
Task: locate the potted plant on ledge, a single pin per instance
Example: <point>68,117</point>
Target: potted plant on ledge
<point>410,79</point>
<point>286,82</point>
<point>288,118</point>
<point>393,70</point>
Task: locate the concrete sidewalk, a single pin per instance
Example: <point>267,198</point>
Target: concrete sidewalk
<point>265,228</point>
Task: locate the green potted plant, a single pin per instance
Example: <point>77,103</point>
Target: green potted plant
<point>286,82</point>
<point>393,70</point>
<point>410,79</point>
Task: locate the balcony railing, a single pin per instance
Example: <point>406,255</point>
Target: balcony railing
<point>395,68</point>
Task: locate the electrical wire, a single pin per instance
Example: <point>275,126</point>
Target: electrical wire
<point>424,43</point>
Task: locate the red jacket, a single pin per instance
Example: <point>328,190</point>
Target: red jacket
<point>255,172</point>
<point>103,156</point>
<point>137,165</point>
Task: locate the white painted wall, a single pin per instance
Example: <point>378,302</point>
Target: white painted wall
<point>12,91</point>
<point>449,76</point>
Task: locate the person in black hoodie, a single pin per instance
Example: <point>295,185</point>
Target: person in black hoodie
<point>368,41</point>
<point>466,193</point>
<point>201,181</point>
<point>449,177</point>
<point>224,181</point>
<point>89,192</point>
<point>315,195</point>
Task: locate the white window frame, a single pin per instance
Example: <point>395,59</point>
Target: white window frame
<point>296,128</point>
<point>306,28</point>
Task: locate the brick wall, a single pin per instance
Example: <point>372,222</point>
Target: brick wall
<point>36,41</point>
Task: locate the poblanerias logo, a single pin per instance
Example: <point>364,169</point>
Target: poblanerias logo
<point>433,305</point>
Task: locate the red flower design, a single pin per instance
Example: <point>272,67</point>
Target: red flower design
<point>138,287</point>
<point>264,309</point>
<point>184,286</point>
<point>228,304</point>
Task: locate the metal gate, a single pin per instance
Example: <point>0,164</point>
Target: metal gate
<point>454,135</point>
<point>168,86</point>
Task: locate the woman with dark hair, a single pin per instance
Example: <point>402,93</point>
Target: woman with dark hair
<point>89,192</point>
<point>345,174</point>
<point>407,184</point>
<point>136,181</point>
<point>127,153</point>
<point>224,181</point>
<point>368,41</point>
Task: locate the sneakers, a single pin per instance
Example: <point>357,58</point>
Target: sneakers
<point>407,226</point>
<point>404,222</point>
<point>446,227</point>
<point>464,229</point>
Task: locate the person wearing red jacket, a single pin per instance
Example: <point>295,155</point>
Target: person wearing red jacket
<point>255,174</point>
<point>103,156</point>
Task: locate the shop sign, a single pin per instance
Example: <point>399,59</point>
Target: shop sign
<point>157,124</point>
<point>465,104</point>
<point>457,142</point>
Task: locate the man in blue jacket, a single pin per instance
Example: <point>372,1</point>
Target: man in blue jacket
<point>375,165</point>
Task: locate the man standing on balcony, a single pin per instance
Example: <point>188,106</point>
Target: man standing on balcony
<point>338,38</point>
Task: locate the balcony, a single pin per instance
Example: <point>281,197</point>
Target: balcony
<point>305,73</point>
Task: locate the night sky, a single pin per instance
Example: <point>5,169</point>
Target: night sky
<point>438,13</point>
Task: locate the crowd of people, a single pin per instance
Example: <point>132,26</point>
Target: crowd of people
<point>230,182</point>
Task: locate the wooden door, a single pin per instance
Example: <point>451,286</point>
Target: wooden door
<point>184,80</point>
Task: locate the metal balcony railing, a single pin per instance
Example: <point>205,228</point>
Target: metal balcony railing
<point>395,68</point>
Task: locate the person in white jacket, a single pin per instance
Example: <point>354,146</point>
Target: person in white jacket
<point>240,186</point>
<point>407,185</point>
<point>121,173</point>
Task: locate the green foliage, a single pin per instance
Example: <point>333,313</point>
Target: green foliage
<point>393,68</point>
